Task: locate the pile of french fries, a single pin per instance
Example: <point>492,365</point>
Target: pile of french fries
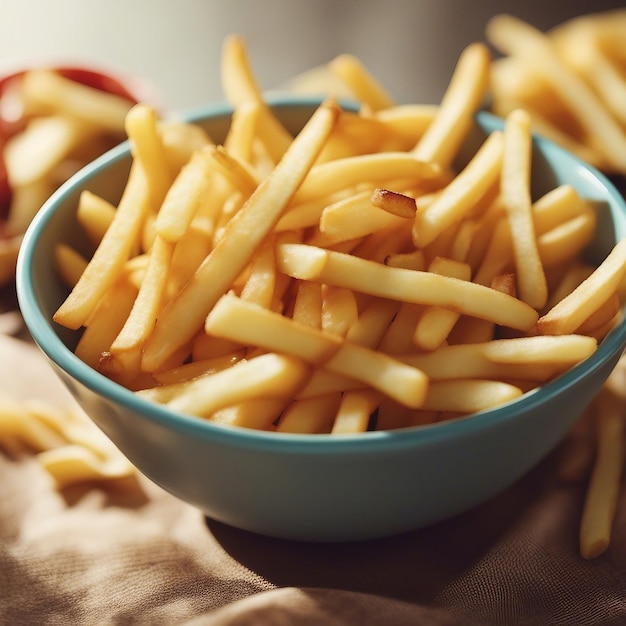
<point>51,125</point>
<point>571,80</point>
<point>349,278</point>
<point>350,273</point>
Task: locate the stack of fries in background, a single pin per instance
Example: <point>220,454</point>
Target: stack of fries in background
<point>76,113</point>
<point>354,277</point>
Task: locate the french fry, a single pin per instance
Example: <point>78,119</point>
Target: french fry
<point>462,98</point>
<point>566,242</point>
<point>361,82</point>
<point>310,415</point>
<point>354,217</point>
<point>515,197</point>
<point>468,396</point>
<point>69,98</point>
<point>146,307</point>
<point>327,178</point>
<point>108,260</point>
<point>205,395</point>
<point>183,197</point>
<point>462,192</point>
<point>95,215</point>
<point>436,323</point>
<point>343,270</point>
<point>106,321</point>
<point>602,493</point>
<point>258,414</point>
<point>570,312</point>
<point>149,151</point>
<point>241,88</point>
<point>354,412</point>
<point>26,162</point>
<point>339,310</point>
<point>69,263</point>
<point>469,361</point>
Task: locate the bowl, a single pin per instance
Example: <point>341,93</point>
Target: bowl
<point>321,488</point>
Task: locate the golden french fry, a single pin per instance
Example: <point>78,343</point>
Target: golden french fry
<point>245,231</point>
<point>436,323</point>
<point>344,270</point>
<point>106,265</point>
<point>149,151</point>
<point>327,178</point>
<point>468,396</point>
<point>461,193</point>
<point>183,197</point>
<point>603,490</point>
<point>568,349</point>
<point>258,414</point>
<point>361,82</point>
<point>189,252</point>
<point>354,412</point>
<point>69,263</point>
<point>241,88</point>
<point>515,197</point>
<point>557,206</point>
<point>339,310</point>
<point>398,338</point>
<point>72,99</point>
<point>570,312</point>
<point>408,122</point>
<point>95,215</point>
<point>565,243</point>
<point>266,376</point>
<point>354,217</point>
<point>462,98</point>
<point>106,321</point>
<point>147,305</point>
<point>239,141</point>
<point>310,415</point>
<point>469,361</point>
<point>240,176</point>
<point>260,284</point>
<point>27,163</point>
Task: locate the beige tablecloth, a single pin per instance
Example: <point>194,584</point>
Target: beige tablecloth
<point>129,553</point>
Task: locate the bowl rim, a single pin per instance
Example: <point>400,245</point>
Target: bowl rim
<point>41,330</point>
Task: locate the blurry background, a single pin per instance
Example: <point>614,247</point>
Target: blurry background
<point>410,45</point>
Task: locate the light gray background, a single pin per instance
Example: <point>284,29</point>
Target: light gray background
<point>410,45</point>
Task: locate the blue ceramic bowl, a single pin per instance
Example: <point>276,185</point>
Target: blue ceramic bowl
<point>318,487</point>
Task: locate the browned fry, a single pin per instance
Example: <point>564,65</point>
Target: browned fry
<point>394,202</point>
